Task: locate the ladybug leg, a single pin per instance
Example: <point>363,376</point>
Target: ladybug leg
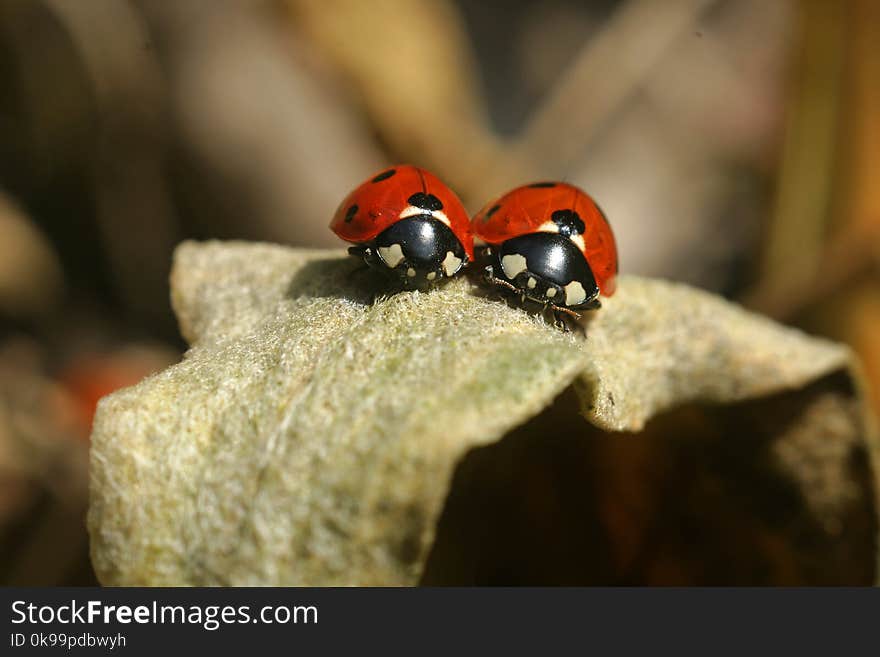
<point>358,252</point>
<point>481,254</point>
<point>410,283</point>
<point>367,256</point>
<point>547,306</point>
<point>560,314</point>
<point>566,311</point>
<point>556,321</point>
<point>489,277</point>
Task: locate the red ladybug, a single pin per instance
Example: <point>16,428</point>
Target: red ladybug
<point>406,222</point>
<point>549,243</point>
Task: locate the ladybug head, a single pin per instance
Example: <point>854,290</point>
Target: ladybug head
<point>569,222</point>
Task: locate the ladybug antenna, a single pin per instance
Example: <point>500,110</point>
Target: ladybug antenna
<point>569,169</point>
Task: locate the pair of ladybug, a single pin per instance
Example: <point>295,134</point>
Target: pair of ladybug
<point>548,243</point>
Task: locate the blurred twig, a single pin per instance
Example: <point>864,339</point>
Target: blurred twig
<point>860,195</point>
<point>606,72</point>
<point>847,260</point>
<point>822,258</point>
<point>825,232</point>
<point>794,243</point>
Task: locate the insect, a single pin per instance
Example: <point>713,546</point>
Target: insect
<point>406,222</point>
<point>550,244</point>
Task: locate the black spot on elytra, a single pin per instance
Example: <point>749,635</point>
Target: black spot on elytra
<point>492,210</point>
<point>425,201</point>
<point>569,222</point>
<point>349,214</point>
<point>385,175</point>
<point>543,185</point>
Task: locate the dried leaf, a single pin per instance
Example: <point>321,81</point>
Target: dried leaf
<point>310,436</point>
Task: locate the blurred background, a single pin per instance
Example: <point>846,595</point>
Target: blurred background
<point>732,144</point>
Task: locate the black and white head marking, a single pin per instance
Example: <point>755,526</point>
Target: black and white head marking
<point>425,201</point>
<point>421,203</point>
<point>568,223</point>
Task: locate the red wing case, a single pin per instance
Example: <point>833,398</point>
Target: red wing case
<point>390,195</point>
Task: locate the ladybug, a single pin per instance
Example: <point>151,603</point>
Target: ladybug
<point>406,222</point>
<point>551,244</point>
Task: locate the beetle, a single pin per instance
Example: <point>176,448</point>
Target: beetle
<point>405,222</point>
<point>549,243</point>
